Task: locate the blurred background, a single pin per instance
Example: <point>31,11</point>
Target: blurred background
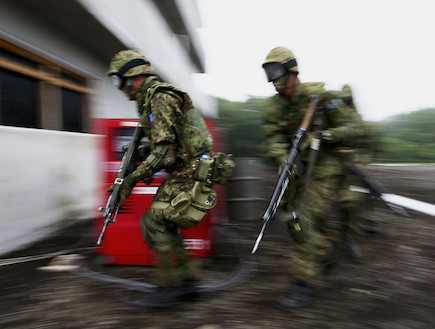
<point>57,107</point>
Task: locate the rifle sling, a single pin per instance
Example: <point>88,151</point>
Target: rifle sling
<point>314,148</point>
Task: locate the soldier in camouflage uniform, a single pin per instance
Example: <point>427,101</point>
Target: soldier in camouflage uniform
<point>181,144</point>
<point>318,180</point>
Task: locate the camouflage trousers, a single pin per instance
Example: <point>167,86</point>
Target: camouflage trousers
<point>316,231</point>
<point>174,264</point>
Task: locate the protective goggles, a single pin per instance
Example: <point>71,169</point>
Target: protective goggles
<point>277,70</point>
<point>118,81</point>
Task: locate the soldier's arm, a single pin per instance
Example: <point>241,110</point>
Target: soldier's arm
<point>162,121</point>
<point>277,138</point>
<point>163,156</point>
<point>343,123</point>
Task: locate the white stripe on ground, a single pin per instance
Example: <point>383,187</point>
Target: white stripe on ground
<point>409,203</point>
<point>402,201</point>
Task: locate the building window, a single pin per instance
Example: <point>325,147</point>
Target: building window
<point>71,110</point>
<point>36,93</point>
<point>18,100</point>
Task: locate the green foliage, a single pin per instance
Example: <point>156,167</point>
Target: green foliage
<point>241,123</point>
<point>407,138</point>
<point>403,138</point>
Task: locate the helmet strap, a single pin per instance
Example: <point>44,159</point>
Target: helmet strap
<point>290,63</point>
<point>133,63</point>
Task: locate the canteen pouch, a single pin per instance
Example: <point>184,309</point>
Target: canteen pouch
<point>223,168</point>
<point>190,207</point>
<point>205,169</point>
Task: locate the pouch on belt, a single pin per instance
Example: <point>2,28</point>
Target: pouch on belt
<point>189,207</point>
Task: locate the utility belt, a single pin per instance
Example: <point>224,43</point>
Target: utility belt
<point>210,167</point>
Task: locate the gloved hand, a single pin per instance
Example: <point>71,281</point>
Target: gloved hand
<point>143,152</point>
<point>335,135</point>
<point>306,142</point>
<point>297,169</point>
<point>125,189</point>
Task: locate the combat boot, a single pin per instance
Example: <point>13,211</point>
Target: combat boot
<point>168,296</point>
<point>299,296</point>
<point>188,290</point>
<point>330,261</point>
<point>160,298</point>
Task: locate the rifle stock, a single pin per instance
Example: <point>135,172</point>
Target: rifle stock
<point>110,211</point>
<point>284,178</point>
<point>376,189</point>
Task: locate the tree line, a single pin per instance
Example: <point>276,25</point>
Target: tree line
<point>404,138</point>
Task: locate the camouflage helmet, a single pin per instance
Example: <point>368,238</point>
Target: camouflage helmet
<point>129,63</point>
<point>278,62</point>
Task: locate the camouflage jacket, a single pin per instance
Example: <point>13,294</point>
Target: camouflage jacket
<point>283,117</point>
<point>168,115</point>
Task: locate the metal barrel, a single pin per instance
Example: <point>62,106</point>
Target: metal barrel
<point>245,190</point>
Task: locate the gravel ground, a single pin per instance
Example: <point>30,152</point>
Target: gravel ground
<point>391,288</point>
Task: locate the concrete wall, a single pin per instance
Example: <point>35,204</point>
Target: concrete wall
<point>140,27</point>
<point>47,177</point>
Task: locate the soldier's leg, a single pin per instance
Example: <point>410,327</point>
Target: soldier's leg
<point>161,236</point>
<point>184,262</point>
<point>183,266</point>
<point>317,208</point>
<point>176,270</point>
<point>314,249</point>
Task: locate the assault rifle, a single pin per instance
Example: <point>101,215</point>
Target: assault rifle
<point>284,178</point>
<point>375,189</point>
<point>110,212</point>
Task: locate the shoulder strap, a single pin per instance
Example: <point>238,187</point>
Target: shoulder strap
<point>314,147</point>
<point>170,89</point>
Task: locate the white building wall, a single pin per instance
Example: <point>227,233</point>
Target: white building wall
<point>189,10</point>
<point>47,177</point>
<point>140,27</point>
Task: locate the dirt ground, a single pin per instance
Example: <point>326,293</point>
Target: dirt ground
<point>391,288</point>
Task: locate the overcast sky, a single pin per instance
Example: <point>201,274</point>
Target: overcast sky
<point>383,48</point>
